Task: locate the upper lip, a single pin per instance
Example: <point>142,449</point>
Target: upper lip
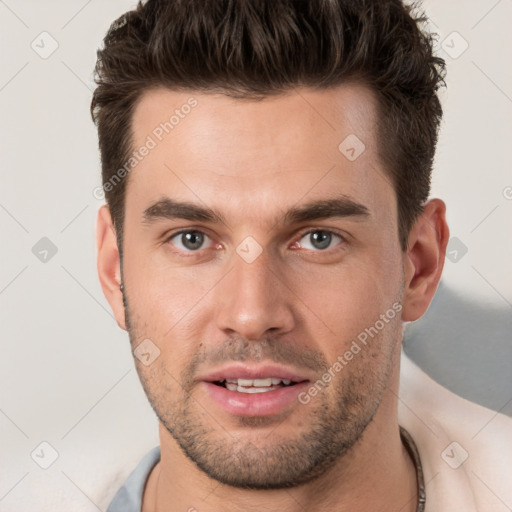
<point>251,372</point>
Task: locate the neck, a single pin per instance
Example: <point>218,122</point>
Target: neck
<point>376,474</point>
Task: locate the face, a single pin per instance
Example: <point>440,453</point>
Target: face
<point>257,255</point>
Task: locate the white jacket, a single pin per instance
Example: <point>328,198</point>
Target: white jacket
<point>465,449</point>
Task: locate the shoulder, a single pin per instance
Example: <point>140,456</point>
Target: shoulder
<point>466,449</point>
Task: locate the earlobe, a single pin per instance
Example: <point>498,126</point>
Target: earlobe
<point>109,264</point>
<point>424,260</point>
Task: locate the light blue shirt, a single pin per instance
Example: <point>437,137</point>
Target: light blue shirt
<point>129,497</point>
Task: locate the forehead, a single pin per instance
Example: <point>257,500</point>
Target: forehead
<point>257,156</point>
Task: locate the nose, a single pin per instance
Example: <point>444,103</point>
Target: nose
<point>253,299</point>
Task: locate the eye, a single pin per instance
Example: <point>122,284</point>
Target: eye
<point>319,240</point>
<point>189,240</point>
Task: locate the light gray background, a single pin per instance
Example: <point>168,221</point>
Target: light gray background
<point>67,375</point>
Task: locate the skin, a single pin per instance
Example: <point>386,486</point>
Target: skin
<point>295,303</point>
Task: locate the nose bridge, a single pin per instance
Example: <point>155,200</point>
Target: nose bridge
<point>254,300</point>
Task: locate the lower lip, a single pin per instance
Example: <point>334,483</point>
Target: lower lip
<point>255,404</point>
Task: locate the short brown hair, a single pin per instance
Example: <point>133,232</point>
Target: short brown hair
<point>254,48</point>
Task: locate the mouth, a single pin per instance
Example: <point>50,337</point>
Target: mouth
<point>263,390</point>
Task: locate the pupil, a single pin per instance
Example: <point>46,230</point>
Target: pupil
<point>321,239</point>
<point>192,240</point>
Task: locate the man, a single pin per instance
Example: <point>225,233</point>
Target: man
<point>267,232</point>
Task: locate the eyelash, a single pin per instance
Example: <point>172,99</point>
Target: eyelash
<point>342,243</point>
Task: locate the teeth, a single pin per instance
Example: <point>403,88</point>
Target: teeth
<point>255,385</point>
<point>259,383</point>
<point>262,383</point>
<point>231,386</point>
<point>241,389</point>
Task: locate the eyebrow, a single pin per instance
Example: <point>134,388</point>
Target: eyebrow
<point>167,208</point>
<point>326,208</point>
<point>171,209</point>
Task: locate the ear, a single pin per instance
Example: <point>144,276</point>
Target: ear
<point>424,260</point>
<point>109,264</point>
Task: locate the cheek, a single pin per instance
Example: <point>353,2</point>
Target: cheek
<point>349,294</point>
<point>358,303</point>
<point>168,305</point>
<point>162,293</point>
<point>159,383</point>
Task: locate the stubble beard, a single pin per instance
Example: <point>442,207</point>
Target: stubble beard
<point>338,417</point>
